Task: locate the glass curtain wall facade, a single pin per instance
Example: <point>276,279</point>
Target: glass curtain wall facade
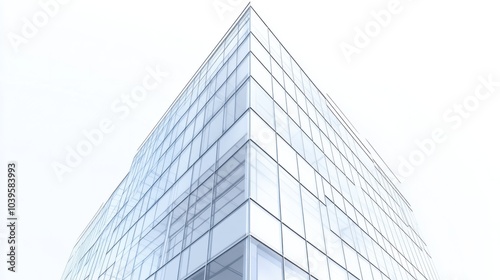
<point>252,174</point>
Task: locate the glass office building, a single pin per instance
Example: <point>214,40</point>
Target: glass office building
<point>253,173</point>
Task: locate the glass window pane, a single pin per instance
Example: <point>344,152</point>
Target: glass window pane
<point>365,268</point>
<point>178,217</point>
<point>312,220</point>
<point>334,247</point>
<point>282,123</point>
<point>228,266</point>
<point>351,259</point>
<point>318,264</point>
<point>183,161</point>
<point>265,264</point>
<point>301,100</point>
<point>195,149</point>
<point>279,94</point>
<point>198,253</point>
<point>229,109</point>
<point>199,213</point>
<point>294,248</point>
<point>244,27</point>
<point>304,122</point>
<point>336,271</point>
<point>198,225</point>
<point>287,157</point>
<point>292,109</point>
<point>297,74</point>
<point>261,53</point>
<point>231,43</point>
<point>260,30</point>
<point>310,150</point>
<point>199,121</point>
<point>264,180</point>
<point>241,100</point>
<point>199,275</point>
<point>170,270</point>
<point>296,137</point>
<point>209,110</point>
<point>289,86</point>
<point>291,205</point>
<point>215,129</point>
<point>261,75</point>
<point>230,190</point>
<point>208,159</point>
<point>262,103</point>
<point>377,275</point>
<point>231,63</point>
<point>292,272</point>
<point>263,135</point>
<point>220,97</point>
<point>230,85</point>
<point>232,136</point>
<point>306,176</point>
<point>316,135</point>
<point>277,73</point>
<point>265,227</point>
<point>228,231</point>
<point>242,71</point>
<point>243,49</point>
<point>275,47</point>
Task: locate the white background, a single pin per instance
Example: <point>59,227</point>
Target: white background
<point>395,91</point>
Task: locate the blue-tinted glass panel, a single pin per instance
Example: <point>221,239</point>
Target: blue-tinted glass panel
<point>292,272</point>
<point>265,264</point>
<point>291,203</point>
<point>229,231</point>
<point>228,266</point>
<point>264,180</point>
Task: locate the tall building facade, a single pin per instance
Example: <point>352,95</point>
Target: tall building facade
<point>252,174</point>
